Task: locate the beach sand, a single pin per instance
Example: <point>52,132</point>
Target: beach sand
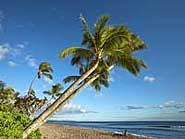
<point>69,132</point>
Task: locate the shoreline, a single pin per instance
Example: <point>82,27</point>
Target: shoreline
<point>54,131</point>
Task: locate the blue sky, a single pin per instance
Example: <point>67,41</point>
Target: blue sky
<point>35,31</point>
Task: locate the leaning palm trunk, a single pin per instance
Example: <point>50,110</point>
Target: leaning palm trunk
<point>77,91</point>
<point>31,85</point>
<point>53,107</point>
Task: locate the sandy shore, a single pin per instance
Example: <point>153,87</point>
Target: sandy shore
<point>68,132</point>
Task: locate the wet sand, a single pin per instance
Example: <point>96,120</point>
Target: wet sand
<point>69,132</point>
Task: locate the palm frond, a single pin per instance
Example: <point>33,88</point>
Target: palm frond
<point>76,60</point>
<point>96,85</point>
<point>86,28</point>
<point>55,91</point>
<point>47,92</point>
<point>99,82</point>
<point>48,75</point>
<point>132,64</point>
<point>56,88</point>
<point>45,67</point>
<point>100,24</point>
<point>103,79</point>
<point>137,43</point>
<point>76,51</point>
<point>87,40</point>
<point>114,36</point>
<point>70,79</point>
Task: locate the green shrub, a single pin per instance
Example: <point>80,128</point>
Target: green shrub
<point>35,135</point>
<point>13,123</point>
<point>6,108</point>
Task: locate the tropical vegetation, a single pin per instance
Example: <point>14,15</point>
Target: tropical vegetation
<point>12,122</point>
<point>17,112</point>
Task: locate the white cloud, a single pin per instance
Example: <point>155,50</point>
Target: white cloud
<point>150,79</point>
<point>32,62</point>
<point>4,50</point>
<point>47,80</point>
<point>166,105</point>
<point>73,109</point>
<point>70,109</point>
<point>12,64</point>
<point>14,51</point>
<point>171,104</point>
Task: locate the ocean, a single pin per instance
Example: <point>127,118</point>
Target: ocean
<point>157,129</point>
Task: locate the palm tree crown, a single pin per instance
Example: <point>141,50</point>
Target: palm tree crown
<point>45,70</point>
<point>55,91</point>
<point>110,45</point>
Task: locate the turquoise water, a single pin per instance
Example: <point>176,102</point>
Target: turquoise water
<point>157,129</point>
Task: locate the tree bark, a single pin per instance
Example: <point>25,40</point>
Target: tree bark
<point>52,108</point>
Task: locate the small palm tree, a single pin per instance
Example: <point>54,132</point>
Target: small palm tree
<point>43,70</point>
<point>54,92</point>
<point>29,104</point>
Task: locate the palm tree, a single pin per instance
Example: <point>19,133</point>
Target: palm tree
<point>29,103</point>
<point>107,46</point>
<point>54,92</point>
<point>45,70</point>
